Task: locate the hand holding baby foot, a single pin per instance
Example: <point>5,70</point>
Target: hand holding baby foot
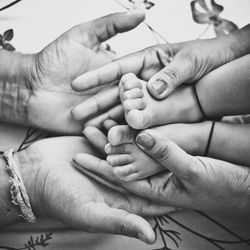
<point>143,111</point>
<point>128,161</point>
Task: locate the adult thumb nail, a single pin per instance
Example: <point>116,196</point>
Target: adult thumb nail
<point>159,87</point>
<point>145,141</point>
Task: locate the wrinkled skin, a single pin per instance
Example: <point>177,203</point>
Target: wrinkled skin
<point>54,68</point>
<point>58,190</point>
<point>198,183</point>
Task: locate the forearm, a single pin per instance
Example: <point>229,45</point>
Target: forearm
<point>230,47</point>
<point>239,41</point>
<point>15,86</point>
<point>226,90</point>
<point>231,142</point>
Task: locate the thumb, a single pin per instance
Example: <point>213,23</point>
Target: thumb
<point>163,83</point>
<point>167,153</point>
<point>101,29</point>
<point>118,221</point>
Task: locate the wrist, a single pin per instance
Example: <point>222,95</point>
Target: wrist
<point>28,165</point>
<point>16,78</point>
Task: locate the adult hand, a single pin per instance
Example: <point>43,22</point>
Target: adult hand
<point>165,66</point>
<point>196,183</point>
<point>44,93</point>
<point>58,190</point>
<point>180,62</point>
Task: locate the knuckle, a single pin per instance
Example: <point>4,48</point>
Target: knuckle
<point>121,229</point>
<point>162,154</point>
<point>171,75</point>
<point>187,53</point>
<point>164,54</point>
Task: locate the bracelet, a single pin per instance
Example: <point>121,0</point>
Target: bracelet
<point>199,103</point>
<point>19,196</point>
<point>209,138</point>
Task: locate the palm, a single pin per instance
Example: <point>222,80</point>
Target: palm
<point>74,53</point>
<point>58,65</point>
<point>75,199</point>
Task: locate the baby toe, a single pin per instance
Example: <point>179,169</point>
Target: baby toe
<point>120,149</point>
<point>120,135</point>
<point>119,160</point>
<point>133,93</point>
<point>133,83</point>
<point>123,172</point>
<point>127,77</point>
<point>138,119</point>
<point>137,103</point>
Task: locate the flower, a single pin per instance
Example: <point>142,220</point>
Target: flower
<point>212,16</point>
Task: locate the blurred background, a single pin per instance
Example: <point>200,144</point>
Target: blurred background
<point>38,22</point>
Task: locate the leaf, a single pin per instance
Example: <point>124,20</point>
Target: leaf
<point>203,4</point>
<point>148,5</point>
<point>8,47</point>
<point>199,17</point>
<point>8,35</point>
<point>216,8</point>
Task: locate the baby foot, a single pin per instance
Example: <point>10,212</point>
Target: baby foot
<point>143,111</point>
<point>128,162</point>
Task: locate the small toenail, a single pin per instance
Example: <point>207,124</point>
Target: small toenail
<point>159,87</point>
<point>145,141</point>
<point>107,148</point>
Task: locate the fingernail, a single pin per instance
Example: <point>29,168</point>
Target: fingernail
<point>107,148</point>
<point>159,87</point>
<point>142,237</point>
<point>145,141</point>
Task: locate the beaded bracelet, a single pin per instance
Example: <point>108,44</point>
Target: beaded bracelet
<point>19,196</point>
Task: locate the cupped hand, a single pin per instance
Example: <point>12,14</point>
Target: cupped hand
<point>197,183</point>
<point>54,68</point>
<point>58,190</point>
<point>164,66</point>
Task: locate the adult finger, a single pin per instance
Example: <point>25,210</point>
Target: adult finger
<point>100,217</point>
<point>96,166</point>
<point>108,124</point>
<point>167,153</point>
<point>101,171</point>
<point>103,28</point>
<point>96,104</point>
<point>163,83</point>
<point>110,72</point>
<point>115,113</point>
<point>96,138</point>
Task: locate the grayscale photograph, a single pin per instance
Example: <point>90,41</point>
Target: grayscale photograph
<point>124,125</point>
